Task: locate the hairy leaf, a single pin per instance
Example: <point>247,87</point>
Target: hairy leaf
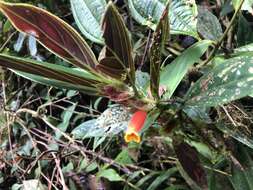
<point>182,14</point>
<point>88,16</point>
<point>117,55</point>
<point>228,81</point>
<point>174,72</point>
<point>160,36</point>
<point>52,32</point>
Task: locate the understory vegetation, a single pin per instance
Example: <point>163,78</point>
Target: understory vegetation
<point>126,94</point>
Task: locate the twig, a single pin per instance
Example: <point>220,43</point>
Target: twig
<point>217,45</point>
<point>229,116</point>
<point>145,50</point>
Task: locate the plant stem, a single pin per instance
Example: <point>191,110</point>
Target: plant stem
<point>217,45</point>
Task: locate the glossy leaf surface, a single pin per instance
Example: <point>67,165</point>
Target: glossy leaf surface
<point>50,71</point>
<point>52,32</point>
<point>117,55</point>
<point>174,72</point>
<point>182,14</point>
<point>58,84</point>
<point>230,80</point>
<point>88,15</point>
<point>160,36</point>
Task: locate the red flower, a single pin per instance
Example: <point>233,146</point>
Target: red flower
<point>134,127</point>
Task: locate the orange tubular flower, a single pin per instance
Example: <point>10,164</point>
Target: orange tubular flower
<point>134,127</point>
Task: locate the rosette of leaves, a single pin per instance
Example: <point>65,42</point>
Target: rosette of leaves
<point>112,75</point>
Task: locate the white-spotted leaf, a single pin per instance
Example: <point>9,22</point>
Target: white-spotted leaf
<point>231,80</point>
<point>111,122</point>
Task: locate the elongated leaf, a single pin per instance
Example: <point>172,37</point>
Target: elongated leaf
<point>160,36</point>
<point>182,14</point>
<point>238,135</point>
<point>88,16</point>
<point>161,178</point>
<point>231,80</point>
<point>58,84</point>
<point>118,45</point>
<point>239,179</point>
<point>188,158</point>
<point>52,32</point>
<point>173,73</point>
<point>47,70</point>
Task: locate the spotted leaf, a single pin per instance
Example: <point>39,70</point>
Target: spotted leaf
<point>111,122</point>
<point>160,37</point>
<point>230,80</point>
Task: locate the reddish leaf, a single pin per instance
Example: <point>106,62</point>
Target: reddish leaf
<point>188,158</point>
<point>160,36</point>
<point>118,45</point>
<point>46,70</point>
<point>52,32</point>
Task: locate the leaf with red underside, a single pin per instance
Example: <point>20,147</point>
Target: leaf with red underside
<point>52,32</point>
<point>118,46</point>
<point>188,158</point>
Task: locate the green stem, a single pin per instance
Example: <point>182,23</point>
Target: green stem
<point>217,45</point>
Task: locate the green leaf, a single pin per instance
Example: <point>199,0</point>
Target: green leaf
<point>161,178</point>
<point>111,122</point>
<point>48,70</point>
<point>239,179</point>
<point>244,31</point>
<point>238,135</point>
<point>208,25</point>
<point>58,84</point>
<point>116,57</point>
<point>88,16</point>
<point>52,32</point>
<point>228,81</point>
<point>110,174</point>
<point>160,37</point>
<point>174,72</point>
<point>247,5</point>
<point>123,157</point>
<point>66,116</point>
<point>182,14</point>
